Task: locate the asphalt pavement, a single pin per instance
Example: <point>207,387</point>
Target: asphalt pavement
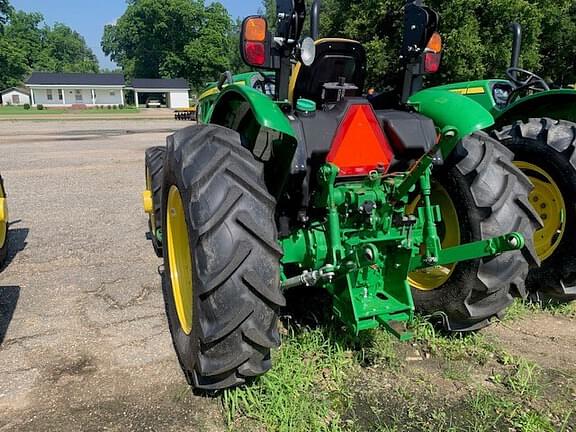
<point>83,340</point>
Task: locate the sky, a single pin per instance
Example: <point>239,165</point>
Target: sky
<point>89,17</point>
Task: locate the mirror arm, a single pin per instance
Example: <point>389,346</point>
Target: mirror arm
<point>315,20</point>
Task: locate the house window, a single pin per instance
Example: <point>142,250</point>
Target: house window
<point>112,93</point>
<point>16,99</point>
<point>49,95</point>
<point>60,94</point>
<point>78,96</point>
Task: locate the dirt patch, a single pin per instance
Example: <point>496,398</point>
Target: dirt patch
<point>69,367</point>
<point>547,340</point>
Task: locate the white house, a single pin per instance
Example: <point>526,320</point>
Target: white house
<point>173,93</point>
<point>15,96</point>
<point>67,89</point>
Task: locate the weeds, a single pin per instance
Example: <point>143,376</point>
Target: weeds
<point>318,384</point>
<point>522,309</point>
<point>490,412</point>
<point>304,391</point>
<point>453,347</point>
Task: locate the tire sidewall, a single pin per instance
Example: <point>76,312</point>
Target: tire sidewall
<point>186,345</point>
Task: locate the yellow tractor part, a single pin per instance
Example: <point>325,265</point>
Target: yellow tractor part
<point>147,202</point>
<point>179,259</point>
<point>449,231</point>
<point>147,197</point>
<point>3,217</point>
<point>547,200</point>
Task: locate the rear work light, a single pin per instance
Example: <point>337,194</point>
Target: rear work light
<point>360,145</point>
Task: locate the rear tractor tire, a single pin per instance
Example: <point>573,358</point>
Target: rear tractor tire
<point>481,195</point>
<point>221,258</point>
<point>545,150</point>
<point>154,171</point>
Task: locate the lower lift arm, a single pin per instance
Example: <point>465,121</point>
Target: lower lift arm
<point>471,251</point>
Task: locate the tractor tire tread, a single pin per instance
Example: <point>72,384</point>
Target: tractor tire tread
<point>491,202</point>
<point>550,144</point>
<point>155,164</point>
<point>235,254</point>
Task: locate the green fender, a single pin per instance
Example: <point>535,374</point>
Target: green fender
<point>264,128</point>
<point>265,110</point>
<point>449,109</point>
<point>556,104</point>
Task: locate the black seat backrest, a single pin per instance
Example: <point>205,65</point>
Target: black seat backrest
<point>335,58</point>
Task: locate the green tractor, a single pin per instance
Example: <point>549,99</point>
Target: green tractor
<point>537,124</point>
<point>293,180</point>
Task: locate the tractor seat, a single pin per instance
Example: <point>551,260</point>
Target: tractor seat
<point>337,61</point>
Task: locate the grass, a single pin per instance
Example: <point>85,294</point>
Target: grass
<point>522,309</point>
<point>473,347</point>
<point>325,380</point>
<point>18,110</point>
<point>304,391</point>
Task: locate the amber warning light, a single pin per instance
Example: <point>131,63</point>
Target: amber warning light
<point>254,41</point>
<point>360,145</point>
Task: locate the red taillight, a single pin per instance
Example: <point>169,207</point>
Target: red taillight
<point>255,53</point>
<point>432,62</point>
<point>360,146</point>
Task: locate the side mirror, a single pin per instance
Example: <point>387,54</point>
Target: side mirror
<point>255,42</point>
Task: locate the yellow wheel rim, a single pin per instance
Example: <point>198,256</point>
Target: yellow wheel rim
<point>547,200</point>
<point>3,217</point>
<point>449,231</point>
<point>179,259</point>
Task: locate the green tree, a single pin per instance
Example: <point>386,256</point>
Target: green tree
<point>558,43</point>
<point>208,55</point>
<point>171,38</point>
<point>13,64</point>
<point>66,51</point>
<point>27,44</point>
<point>237,65</point>
<point>477,38</point>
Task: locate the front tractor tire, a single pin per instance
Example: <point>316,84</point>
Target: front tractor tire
<point>481,195</point>
<point>154,164</point>
<point>545,150</point>
<point>221,257</point>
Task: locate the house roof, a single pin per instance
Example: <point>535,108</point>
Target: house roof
<point>146,83</point>
<point>59,78</point>
<point>18,89</point>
